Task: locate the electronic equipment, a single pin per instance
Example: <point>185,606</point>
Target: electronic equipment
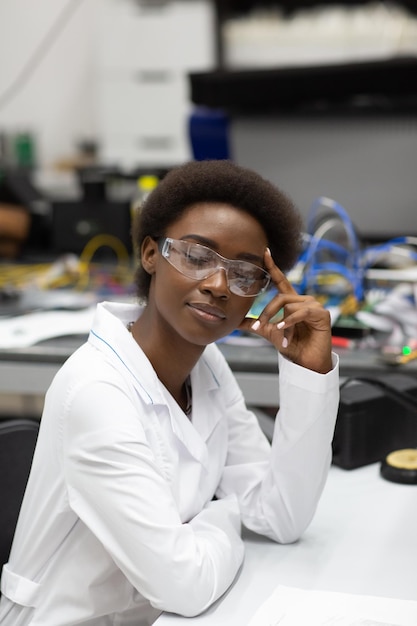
<point>376,416</point>
<point>77,221</point>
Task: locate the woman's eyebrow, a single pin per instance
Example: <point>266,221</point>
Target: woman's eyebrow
<point>204,241</point>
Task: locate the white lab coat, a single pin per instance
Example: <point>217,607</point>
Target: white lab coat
<point>119,519</point>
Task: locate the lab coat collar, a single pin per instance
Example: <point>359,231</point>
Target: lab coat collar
<point>109,334</point>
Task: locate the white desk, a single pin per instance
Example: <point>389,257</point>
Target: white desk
<point>362,540</point>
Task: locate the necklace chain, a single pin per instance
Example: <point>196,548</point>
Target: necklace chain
<point>189,399</point>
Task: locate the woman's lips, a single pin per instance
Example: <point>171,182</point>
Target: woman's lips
<point>207,312</point>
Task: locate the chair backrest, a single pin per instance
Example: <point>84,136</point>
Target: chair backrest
<point>17,445</point>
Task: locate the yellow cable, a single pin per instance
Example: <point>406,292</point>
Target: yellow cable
<point>91,248</point>
<point>22,275</point>
<point>99,241</point>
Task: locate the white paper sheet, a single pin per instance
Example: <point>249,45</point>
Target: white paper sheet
<point>289,606</point>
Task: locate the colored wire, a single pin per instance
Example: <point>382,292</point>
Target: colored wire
<point>348,256</point>
<point>372,253</point>
<point>91,248</point>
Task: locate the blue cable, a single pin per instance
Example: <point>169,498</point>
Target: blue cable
<point>353,256</point>
<point>387,246</point>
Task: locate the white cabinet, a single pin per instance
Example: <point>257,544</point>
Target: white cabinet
<point>145,50</point>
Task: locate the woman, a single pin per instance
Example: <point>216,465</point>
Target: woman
<point>148,460</point>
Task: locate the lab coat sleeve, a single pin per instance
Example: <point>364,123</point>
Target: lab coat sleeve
<point>279,485</point>
<point>117,489</point>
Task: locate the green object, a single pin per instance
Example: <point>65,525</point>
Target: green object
<point>24,150</point>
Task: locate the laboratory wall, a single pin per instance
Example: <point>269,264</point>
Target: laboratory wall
<point>366,163</point>
<point>109,71</point>
<point>47,73</point>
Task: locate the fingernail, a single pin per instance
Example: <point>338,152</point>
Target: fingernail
<point>280,325</point>
<point>284,342</point>
<point>256,325</point>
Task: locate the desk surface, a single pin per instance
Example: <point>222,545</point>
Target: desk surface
<point>29,371</point>
<point>362,540</point>
<point>249,358</point>
<point>242,358</point>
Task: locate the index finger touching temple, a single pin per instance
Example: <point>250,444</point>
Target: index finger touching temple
<point>279,279</point>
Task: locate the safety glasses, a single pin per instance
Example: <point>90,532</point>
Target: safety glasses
<point>199,262</point>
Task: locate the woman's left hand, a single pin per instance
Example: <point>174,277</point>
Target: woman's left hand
<point>303,334</point>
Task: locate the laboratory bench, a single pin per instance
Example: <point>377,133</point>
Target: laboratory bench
<point>361,541</point>
<point>26,373</point>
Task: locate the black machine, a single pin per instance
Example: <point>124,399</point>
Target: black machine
<point>75,222</point>
<point>63,224</point>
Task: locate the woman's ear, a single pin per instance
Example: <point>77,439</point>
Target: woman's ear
<point>149,254</point>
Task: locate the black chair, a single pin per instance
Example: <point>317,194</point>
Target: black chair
<point>17,445</point>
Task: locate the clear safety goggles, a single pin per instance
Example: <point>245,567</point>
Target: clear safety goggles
<point>199,262</point>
